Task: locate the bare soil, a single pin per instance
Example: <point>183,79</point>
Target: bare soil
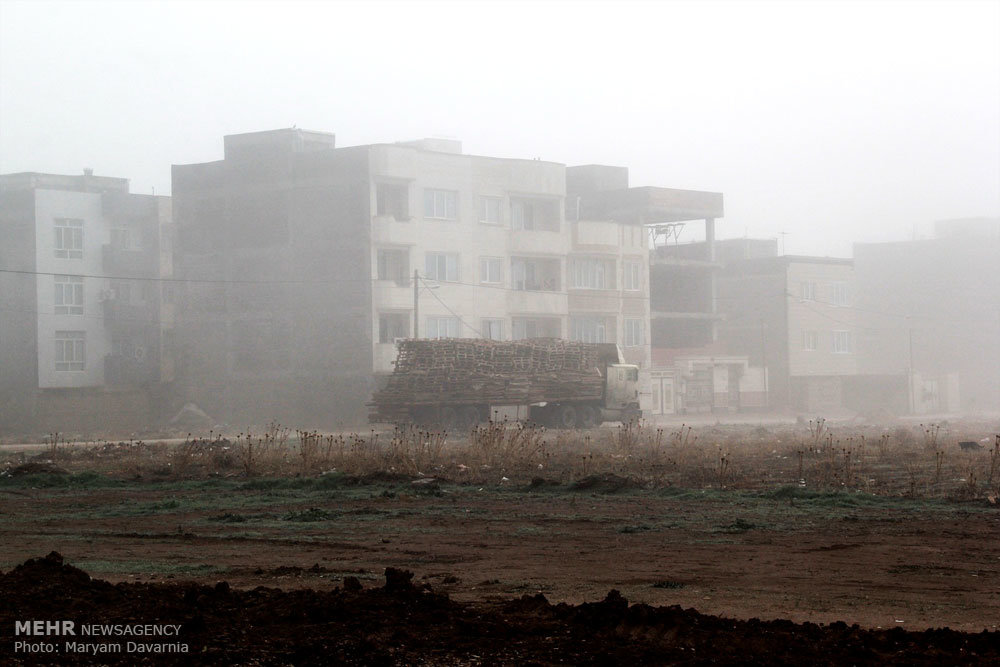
<point>696,566</point>
<point>400,623</point>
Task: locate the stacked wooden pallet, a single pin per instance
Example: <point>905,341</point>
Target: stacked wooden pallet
<point>473,371</point>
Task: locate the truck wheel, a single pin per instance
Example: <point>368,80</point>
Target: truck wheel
<point>448,418</point>
<point>586,416</point>
<point>565,416</point>
<point>469,417</point>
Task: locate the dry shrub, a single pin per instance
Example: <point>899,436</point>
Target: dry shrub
<point>507,446</point>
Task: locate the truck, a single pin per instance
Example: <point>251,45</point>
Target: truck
<point>456,383</point>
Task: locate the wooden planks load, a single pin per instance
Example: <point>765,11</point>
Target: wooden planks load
<point>465,370</point>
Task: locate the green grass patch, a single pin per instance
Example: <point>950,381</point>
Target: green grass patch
<point>308,515</point>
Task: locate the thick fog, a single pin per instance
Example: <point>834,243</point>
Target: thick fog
<point>768,207</point>
<point>832,122</point>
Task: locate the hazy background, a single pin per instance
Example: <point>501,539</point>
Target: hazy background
<point>831,121</point>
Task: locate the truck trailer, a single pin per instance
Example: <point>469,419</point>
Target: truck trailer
<point>456,383</point>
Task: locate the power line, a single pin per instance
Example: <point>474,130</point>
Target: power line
<point>457,316</point>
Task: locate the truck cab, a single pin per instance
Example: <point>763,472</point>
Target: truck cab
<point>621,393</point>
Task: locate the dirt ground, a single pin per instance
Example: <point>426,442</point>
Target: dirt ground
<point>398,623</point>
<point>819,558</point>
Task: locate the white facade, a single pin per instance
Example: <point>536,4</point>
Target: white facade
<point>83,211</point>
<point>496,256</point>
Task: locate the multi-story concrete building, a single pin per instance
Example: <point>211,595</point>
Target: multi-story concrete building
<point>794,316</point>
<point>81,269</point>
<point>300,259</point>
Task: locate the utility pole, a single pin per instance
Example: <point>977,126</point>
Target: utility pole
<point>416,303</point>
<point>912,392</point>
<point>763,363</point>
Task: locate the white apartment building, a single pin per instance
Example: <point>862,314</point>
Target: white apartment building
<point>78,280</point>
<point>495,255</point>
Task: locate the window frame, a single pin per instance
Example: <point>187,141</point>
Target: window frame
<point>73,286</point>
<point>631,267</point>
<point>438,320</point>
<point>839,294</point>
<point>808,290</point>
<point>72,228</point>
<point>483,218</point>
<point>383,334</point>
<point>810,341</point>
<point>635,332</point>
<point>446,256</point>
<point>592,273</point>
<point>485,275</point>
<point>845,336</point>
<point>486,327</point>
<point>402,191</point>
<point>431,205</point>
<point>580,334</point>
<point>75,342</point>
<point>380,263</point>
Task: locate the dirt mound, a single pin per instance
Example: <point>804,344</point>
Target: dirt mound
<point>607,483</point>
<point>35,468</point>
<point>400,623</point>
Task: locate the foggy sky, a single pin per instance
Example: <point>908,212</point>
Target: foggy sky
<point>833,122</point>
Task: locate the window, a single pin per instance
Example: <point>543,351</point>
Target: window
<point>393,264</point>
<point>392,326</point>
<point>810,341</point>
<point>440,204</point>
<point>392,199</point>
<point>536,328</point>
<point>69,238</point>
<point>71,351</point>
<point>489,210</point>
<point>492,329</point>
<point>533,214</point>
<point>69,295</point>
<point>442,327</point>
<point>491,270</point>
<point>588,329</point>
<point>632,275</point>
<point>442,266</point>
<point>126,238</point>
<point>839,294</point>
<point>842,342</point>
<point>535,274</point>
<point>808,291</point>
<point>635,332</point>
<point>592,274</point>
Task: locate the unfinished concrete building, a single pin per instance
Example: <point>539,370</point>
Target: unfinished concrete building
<point>85,319</point>
<point>683,313</point>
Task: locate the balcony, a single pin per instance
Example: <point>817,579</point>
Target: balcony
<point>128,263</point>
<point>524,301</point>
<point>539,241</point>
<point>388,230</point>
<point>125,315</point>
<point>390,295</point>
